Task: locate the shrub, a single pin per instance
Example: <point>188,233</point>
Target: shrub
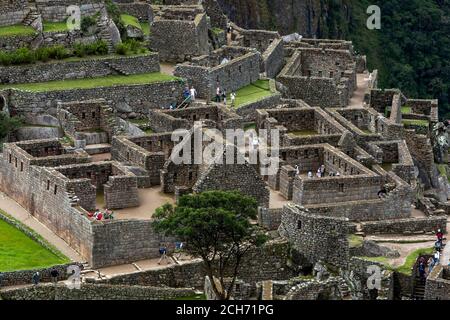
<point>88,22</point>
<point>23,56</point>
<point>122,48</point>
<point>130,46</point>
<point>58,52</point>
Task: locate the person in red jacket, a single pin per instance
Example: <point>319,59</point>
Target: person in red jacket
<point>439,235</point>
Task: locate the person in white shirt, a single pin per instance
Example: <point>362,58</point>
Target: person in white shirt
<point>193,93</point>
<point>233,98</point>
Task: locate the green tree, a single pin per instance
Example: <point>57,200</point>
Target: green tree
<point>216,227</point>
<point>8,125</point>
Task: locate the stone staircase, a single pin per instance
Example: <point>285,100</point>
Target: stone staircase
<point>104,33</point>
<point>116,68</point>
<point>419,288</point>
<point>33,18</point>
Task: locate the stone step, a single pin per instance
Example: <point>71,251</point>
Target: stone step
<point>98,148</point>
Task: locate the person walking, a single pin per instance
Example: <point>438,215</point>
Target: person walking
<point>440,236</point>
<point>54,274</point>
<point>163,253</point>
<point>437,256</point>
<point>233,98</point>
<point>430,263</point>
<point>36,278</point>
<point>218,94</point>
<point>193,93</point>
<point>224,96</point>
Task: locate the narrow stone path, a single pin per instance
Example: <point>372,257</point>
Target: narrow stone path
<point>362,83</point>
<point>18,212</point>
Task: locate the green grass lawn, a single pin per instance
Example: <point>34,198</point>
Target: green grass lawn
<point>19,252</point>
<point>304,133</point>
<point>406,110</point>
<point>416,122</point>
<point>109,81</point>
<point>412,258</point>
<point>129,20</point>
<point>251,93</point>
<point>16,30</point>
<point>387,166</point>
<point>55,26</point>
<point>250,126</point>
<point>409,262</point>
<point>355,241</point>
<point>149,131</point>
<point>145,26</point>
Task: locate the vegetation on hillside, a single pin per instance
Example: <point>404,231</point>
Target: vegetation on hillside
<point>411,51</point>
<point>8,125</point>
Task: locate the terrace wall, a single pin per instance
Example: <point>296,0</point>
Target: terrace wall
<point>86,68</point>
<point>125,99</point>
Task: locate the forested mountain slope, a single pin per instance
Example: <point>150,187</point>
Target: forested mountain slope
<point>411,50</point>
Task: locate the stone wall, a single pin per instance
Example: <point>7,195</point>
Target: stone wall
<point>325,78</point>
<point>80,69</point>
<point>269,218</point>
<point>230,177</point>
<point>178,39</point>
<point>206,72</point>
<point>13,12</point>
<point>270,262</point>
<point>273,58</point>
<point>93,292</point>
<point>315,237</point>
<point>55,10</point>
<point>125,99</point>
<point>437,286</point>
<point>405,226</point>
<point>24,277</point>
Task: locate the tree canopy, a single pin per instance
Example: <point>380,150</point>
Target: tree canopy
<point>7,125</point>
<point>217,227</point>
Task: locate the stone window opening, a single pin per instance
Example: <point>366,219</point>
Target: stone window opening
<point>55,191</point>
<point>48,185</point>
<point>10,158</point>
<point>21,166</point>
<point>240,69</point>
<point>341,187</point>
<point>299,224</point>
<point>93,114</point>
<point>190,176</point>
<point>16,162</point>
<point>83,115</point>
<point>128,156</point>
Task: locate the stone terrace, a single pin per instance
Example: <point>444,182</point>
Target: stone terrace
<point>301,125</point>
<point>323,77</point>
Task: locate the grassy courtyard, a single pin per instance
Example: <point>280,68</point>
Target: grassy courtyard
<point>19,252</point>
<point>253,92</point>
<point>89,83</point>
<point>55,26</point>
<point>16,30</point>
<point>416,122</point>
